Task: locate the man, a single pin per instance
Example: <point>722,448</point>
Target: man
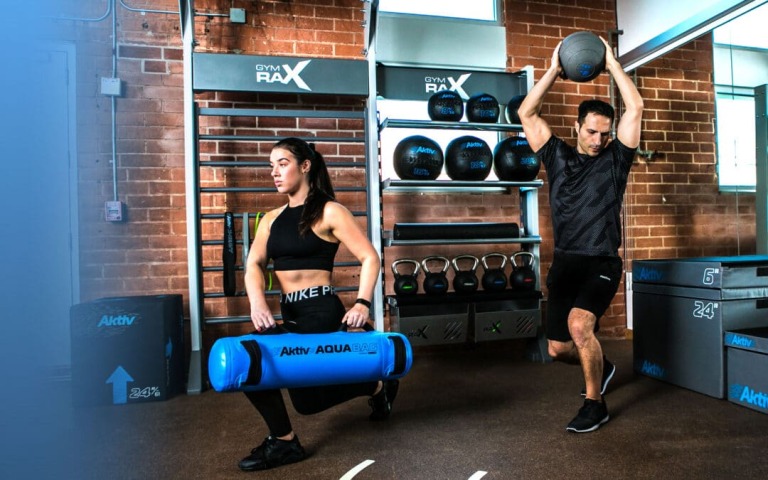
<point>586,189</point>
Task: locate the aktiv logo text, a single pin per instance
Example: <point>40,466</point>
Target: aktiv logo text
<point>736,340</point>
<point>653,370</point>
<point>745,394</point>
<point>116,320</point>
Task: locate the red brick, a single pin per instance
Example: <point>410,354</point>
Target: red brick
<point>139,51</point>
<point>152,66</point>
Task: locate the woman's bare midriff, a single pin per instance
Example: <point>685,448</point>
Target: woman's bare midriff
<point>294,280</point>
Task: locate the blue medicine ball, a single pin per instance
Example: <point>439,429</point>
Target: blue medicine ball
<point>445,106</point>
<point>468,158</point>
<point>510,112</point>
<point>418,158</point>
<point>514,161</point>
<point>483,108</point>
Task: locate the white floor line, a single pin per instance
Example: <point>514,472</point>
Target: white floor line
<point>351,474</point>
<point>478,475</point>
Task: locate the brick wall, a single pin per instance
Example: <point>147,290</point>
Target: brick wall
<point>673,207</point>
<point>253,202</point>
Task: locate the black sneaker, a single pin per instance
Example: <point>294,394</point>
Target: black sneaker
<point>591,415</point>
<point>381,403</point>
<point>272,453</point>
<point>608,370</point>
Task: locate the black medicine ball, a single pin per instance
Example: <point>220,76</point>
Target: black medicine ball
<point>483,108</point>
<point>418,158</point>
<point>445,106</point>
<point>468,158</point>
<point>582,56</point>
<point>511,110</point>
<point>514,161</point>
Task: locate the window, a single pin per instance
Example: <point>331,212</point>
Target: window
<point>736,163</point>
<point>485,10</point>
<point>740,64</point>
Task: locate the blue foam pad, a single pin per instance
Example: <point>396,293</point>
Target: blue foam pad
<point>291,360</point>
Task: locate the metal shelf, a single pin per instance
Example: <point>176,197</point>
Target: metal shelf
<point>389,241</point>
<point>267,189</point>
<point>285,113</point>
<point>271,138</point>
<point>457,186</point>
<point>493,127</point>
<point>245,163</point>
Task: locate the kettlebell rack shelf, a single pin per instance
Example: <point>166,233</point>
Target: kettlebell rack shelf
<point>454,318</point>
<point>454,297</point>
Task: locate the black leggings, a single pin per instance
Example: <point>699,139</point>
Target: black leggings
<point>321,314</point>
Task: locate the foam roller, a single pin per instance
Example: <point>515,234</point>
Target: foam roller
<point>292,360</point>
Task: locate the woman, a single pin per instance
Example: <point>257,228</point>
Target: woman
<point>302,238</point>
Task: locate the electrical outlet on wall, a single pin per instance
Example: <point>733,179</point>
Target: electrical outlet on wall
<point>111,86</point>
<point>114,211</point>
<point>237,15</point>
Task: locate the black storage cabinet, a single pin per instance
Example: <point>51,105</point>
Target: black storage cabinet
<point>127,350</point>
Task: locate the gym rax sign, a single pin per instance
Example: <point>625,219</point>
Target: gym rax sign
<point>257,73</point>
<point>283,74</point>
<point>409,83</point>
<point>438,84</point>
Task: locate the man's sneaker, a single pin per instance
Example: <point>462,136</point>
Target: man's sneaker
<point>381,403</point>
<point>272,453</point>
<point>608,370</point>
<point>591,415</point>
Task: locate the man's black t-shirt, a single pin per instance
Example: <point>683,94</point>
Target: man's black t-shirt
<point>585,195</point>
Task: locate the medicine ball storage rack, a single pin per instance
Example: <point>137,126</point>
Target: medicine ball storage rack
<point>458,317</point>
<point>528,232</point>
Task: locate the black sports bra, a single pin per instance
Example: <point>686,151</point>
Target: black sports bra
<point>290,251</point>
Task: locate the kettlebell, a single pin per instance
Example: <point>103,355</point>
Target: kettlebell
<point>435,283</point>
<point>494,279</point>
<point>465,281</point>
<point>406,284</point>
<point>522,277</point>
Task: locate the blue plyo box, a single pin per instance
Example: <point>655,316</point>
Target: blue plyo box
<point>747,357</point>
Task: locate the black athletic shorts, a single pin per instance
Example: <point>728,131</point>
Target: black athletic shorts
<point>580,281</point>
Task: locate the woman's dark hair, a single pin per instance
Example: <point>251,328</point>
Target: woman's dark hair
<point>320,187</point>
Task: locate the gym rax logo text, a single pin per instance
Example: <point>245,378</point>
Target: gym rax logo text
<point>438,84</point>
<point>274,74</point>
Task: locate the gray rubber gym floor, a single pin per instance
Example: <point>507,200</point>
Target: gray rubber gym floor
<point>481,412</point>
